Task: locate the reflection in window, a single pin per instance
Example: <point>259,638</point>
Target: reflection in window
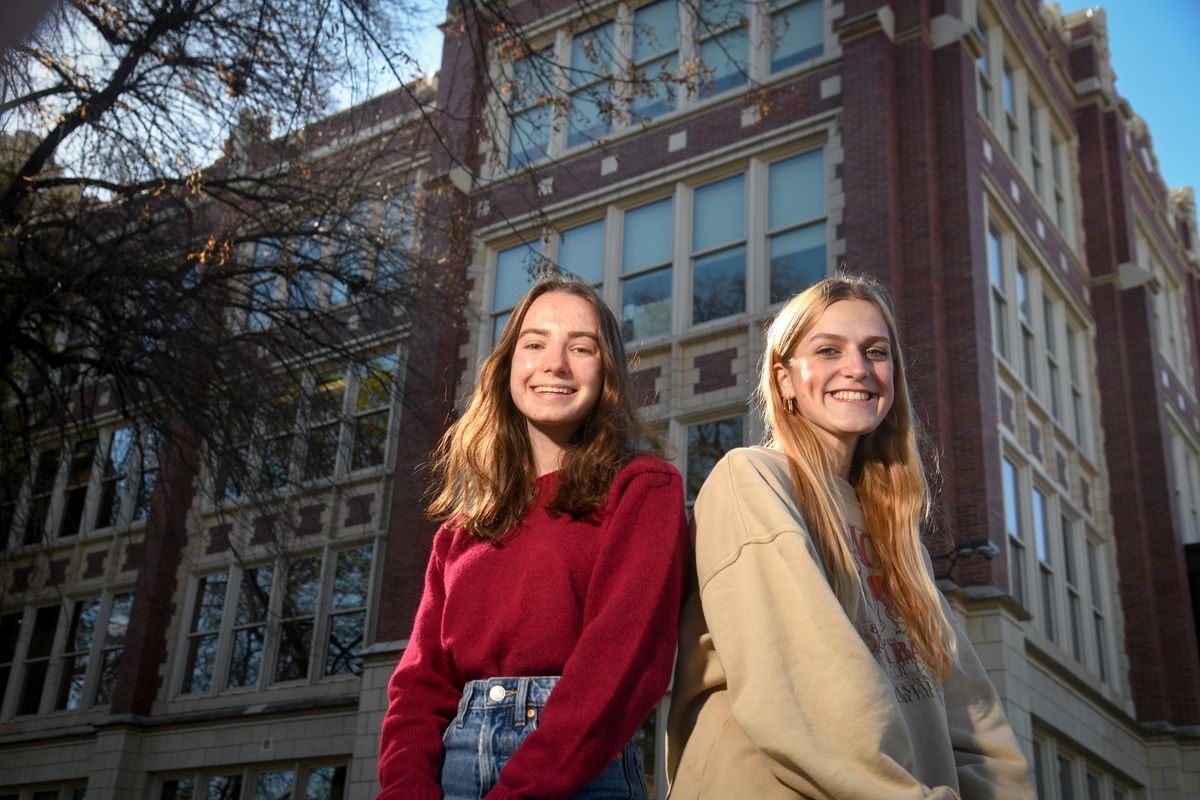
<point>1015,528</point>
<point>655,58</point>
<point>250,627</point>
<point>76,653</point>
<point>324,417</point>
<point>303,580</point>
<point>515,271</point>
<point>591,89</point>
<point>348,611</point>
<point>277,443</point>
<point>37,660</point>
<point>795,223</point>
<point>79,476</point>
<point>722,33</point>
<point>373,404</point>
<point>646,271</point>
<point>11,481</point>
<point>529,110</point>
<point>274,785</point>
<point>581,252</point>
<point>325,783</point>
<point>707,443</point>
<point>719,250</point>
<point>10,631</point>
<point>43,489</point>
<point>797,32</point>
<point>205,628</point>
<point>114,645</point>
<point>116,476</point>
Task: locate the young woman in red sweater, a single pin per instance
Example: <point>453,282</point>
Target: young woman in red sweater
<point>548,625</point>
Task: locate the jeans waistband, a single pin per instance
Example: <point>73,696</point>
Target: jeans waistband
<point>520,693</point>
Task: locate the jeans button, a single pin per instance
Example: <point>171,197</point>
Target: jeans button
<point>496,693</point>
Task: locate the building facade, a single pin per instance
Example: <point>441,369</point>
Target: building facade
<point>698,163</point>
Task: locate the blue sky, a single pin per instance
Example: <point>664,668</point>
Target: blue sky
<point>1155,51</point>
<point>1155,47</point>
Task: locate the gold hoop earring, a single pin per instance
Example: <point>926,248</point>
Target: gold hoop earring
<point>790,404</point>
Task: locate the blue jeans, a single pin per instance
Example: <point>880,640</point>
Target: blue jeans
<point>494,717</point>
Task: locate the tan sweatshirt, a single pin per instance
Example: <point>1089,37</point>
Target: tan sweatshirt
<point>780,692</point>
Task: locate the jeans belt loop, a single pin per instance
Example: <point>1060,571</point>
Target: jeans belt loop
<point>522,701</point>
<point>464,703</point>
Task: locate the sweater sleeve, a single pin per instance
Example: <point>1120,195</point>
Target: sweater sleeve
<point>802,684</point>
<point>621,665</point>
<point>423,696</point>
<point>988,760</point>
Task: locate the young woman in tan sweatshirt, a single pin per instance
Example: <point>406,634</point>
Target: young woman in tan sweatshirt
<point>817,656</point>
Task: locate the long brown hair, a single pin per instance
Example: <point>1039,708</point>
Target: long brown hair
<point>483,470</point>
<point>886,471</point>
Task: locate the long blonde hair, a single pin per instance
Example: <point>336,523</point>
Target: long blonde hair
<point>483,474</point>
<point>886,471</point>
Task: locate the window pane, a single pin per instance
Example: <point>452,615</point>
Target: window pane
<point>719,284</point>
<point>295,644</point>
<point>224,787</point>
<point>725,59</point>
<point>581,251</point>
<point>350,579</point>
<point>245,661</point>
<point>797,260</point>
<point>797,34</point>
<point>70,692</point>
<point>210,603</point>
<point>647,238</point>
<point>370,440</point>
<point>303,580</point>
<point>591,112</point>
<point>37,659</point>
<point>796,190</point>
<point>707,442</point>
<point>646,305</point>
<point>530,136</point>
<point>656,89</point>
<point>345,641</point>
<point>515,269</point>
<point>655,30</point>
<point>181,789</point>
<point>325,783</point>
<point>276,785</point>
<point>591,54</point>
<point>110,662</point>
<point>717,215</point>
<point>1012,522</point>
<point>202,652</point>
<point>1039,525</point>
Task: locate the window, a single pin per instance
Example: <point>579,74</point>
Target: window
<point>1014,525</point>
<point>10,632</point>
<point>1170,312</point>
<point>983,74</point>
<point>529,110</point>
<point>1059,159</point>
<point>590,79</point>
<point>287,781</point>
<point>263,284</point>
<point>12,479</point>
<point>1066,787</point>
<point>1025,320</point>
<point>277,443</point>
<point>1036,167</point>
<point>797,32</point>
<point>646,271</point>
<point>324,424</point>
<point>114,483</point>
<point>1010,111</point>
<point>43,492</point>
<point>719,249</point>
<point>37,660</point>
<point>372,410</point>
<point>707,442</point>
<point>516,268</point>
<point>92,652</point>
<point>1100,627</point>
<point>655,58</point>
<point>995,258</point>
<point>298,619</point>
<point>1079,411</point>
<point>796,224</point>
<point>79,477</point>
<point>1050,327</point>
<point>1185,485</point>
<point>1045,567</point>
<point>722,35</point>
<point>1071,578</point>
<point>581,252</point>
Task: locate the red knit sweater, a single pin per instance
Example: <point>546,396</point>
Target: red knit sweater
<point>594,600</point>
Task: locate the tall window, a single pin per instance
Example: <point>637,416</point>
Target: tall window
<point>1012,136</point>
<point>37,660</point>
<point>1071,576</point>
<point>719,249</point>
<point>983,74</point>
<point>529,99</point>
<point>655,58</point>
<point>590,79</point>
<point>995,258</point>
<point>1035,148</point>
<point>516,268</point>
<point>1025,320</point>
<point>1099,626</point>
<point>10,633</point>
<point>1050,326</point>
<point>79,477</point>
<point>298,619</point>
<point>796,223</point>
<point>114,484</point>
<point>1185,485</point>
<point>646,271</point>
<point>1075,370</point>
<point>1058,167</point>
<point>723,41</point>
<point>1045,567</point>
<point>797,32</point>
<point>581,252</point>
<point>12,480</point>
<point>1015,527</point>
<point>43,493</point>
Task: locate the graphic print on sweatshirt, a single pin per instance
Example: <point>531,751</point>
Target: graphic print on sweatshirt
<point>884,631</point>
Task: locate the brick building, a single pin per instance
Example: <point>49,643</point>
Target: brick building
<point>974,154</point>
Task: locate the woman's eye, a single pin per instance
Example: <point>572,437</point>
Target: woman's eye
<point>878,352</point>
<point>826,351</point>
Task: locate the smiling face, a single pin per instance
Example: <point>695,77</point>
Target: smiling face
<point>840,374</point>
<point>556,372</point>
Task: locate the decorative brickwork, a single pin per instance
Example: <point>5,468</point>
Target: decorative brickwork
<point>358,509</point>
<point>643,385</point>
<point>218,538</point>
<point>310,520</point>
<point>716,371</point>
